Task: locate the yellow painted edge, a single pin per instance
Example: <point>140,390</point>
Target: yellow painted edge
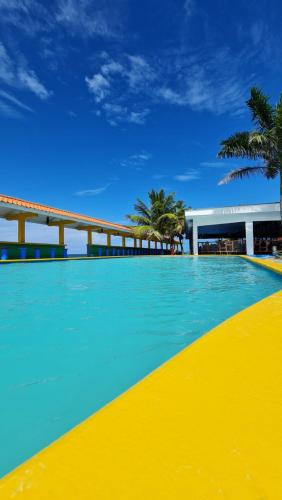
<point>206,425</point>
<point>272,265</point>
<point>26,261</point>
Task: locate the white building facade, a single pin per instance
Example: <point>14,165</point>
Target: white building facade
<point>225,219</point>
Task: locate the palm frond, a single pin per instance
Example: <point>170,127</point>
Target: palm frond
<point>139,219</point>
<point>272,169</point>
<point>262,111</point>
<point>168,216</point>
<point>239,173</point>
<point>238,145</point>
<point>142,208</point>
<point>147,232</point>
<point>278,127</point>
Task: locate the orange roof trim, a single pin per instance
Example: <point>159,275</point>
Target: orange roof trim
<point>57,212</point>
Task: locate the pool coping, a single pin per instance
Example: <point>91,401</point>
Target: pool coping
<point>153,441</point>
<point>271,265</point>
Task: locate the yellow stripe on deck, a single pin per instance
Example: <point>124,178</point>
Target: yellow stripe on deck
<point>206,425</point>
<point>271,264</point>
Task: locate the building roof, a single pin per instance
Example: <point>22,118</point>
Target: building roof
<point>231,214</point>
<point>10,206</point>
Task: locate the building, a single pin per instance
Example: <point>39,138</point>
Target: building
<point>24,211</point>
<point>250,229</point>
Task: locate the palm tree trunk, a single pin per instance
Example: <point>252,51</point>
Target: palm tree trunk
<point>181,244</point>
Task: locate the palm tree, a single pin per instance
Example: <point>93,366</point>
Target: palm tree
<point>161,220</point>
<point>263,143</point>
<point>175,223</point>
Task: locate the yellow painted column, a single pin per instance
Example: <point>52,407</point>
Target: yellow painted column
<point>109,240</point>
<point>89,237</point>
<point>61,234</point>
<point>21,230</point>
<point>123,242</point>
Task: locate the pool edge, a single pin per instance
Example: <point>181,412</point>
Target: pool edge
<point>271,265</point>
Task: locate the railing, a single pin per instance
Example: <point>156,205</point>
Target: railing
<point>222,247</point>
<point>265,245</point>
<point>117,251</point>
<point>15,251</point>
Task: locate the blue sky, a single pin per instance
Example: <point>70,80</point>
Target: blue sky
<point>102,100</point>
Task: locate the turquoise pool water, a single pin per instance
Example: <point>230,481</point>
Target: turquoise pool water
<point>74,335</point>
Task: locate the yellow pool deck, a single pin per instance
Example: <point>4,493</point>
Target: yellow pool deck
<point>205,425</point>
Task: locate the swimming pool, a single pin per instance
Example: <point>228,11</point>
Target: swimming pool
<point>74,335</point>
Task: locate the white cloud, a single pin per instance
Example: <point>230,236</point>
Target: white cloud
<point>99,86</point>
<point>115,86</point>
<point>202,81</point>
<point>112,68</point>
<point>9,111</point>
<point>208,83</point>
<point>11,99</point>
<point>31,82</point>
<point>13,74</point>
<point>140,73</point>
<point>92,192</point>
<point>87,18</point>
<point>6,66</point>
<point>29,16</point>
<point>189,175</point>
<point>138,117</point>
<point>214,164</point>
<point>136,161</point>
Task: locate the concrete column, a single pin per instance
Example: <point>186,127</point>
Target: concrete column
<point>140,241</point>
<point>89,237</point>
<point>149,244</point>
<point>134,242</point>
<point>249,237</point>
<point>108,240</point>
<point>156,245</point>
<point>195,238</point>
<point>123,242</point>
<point>61,234</point>
<point>21,230</point>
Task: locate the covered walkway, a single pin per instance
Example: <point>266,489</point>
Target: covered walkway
<point>22,211</point>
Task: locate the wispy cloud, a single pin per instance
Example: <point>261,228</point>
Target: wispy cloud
<point>136,161</point>
<point>9,111</point>
<point>13,100</point>
<point>214,164</point>
<point>189,175</point>
<point>209,83</point>
<point>99,86</point>
<point>15,74</point>
<point>31,82</point>
<point>7,70</point>
<point>126,88</point>
<point>92,192</point>
<point>88,18</point>
<point>117,87</point>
